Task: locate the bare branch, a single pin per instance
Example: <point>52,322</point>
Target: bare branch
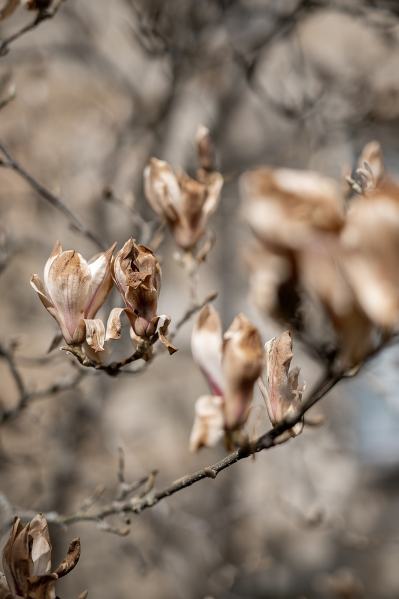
<point>48,196</point>
<point>42,15</point>
<point>25,397</point>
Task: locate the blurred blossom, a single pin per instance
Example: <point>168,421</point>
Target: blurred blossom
<point>331,273</point>
<point>27,561</point>
<point>183,202</point>
<point>231,365</point>
<point>74,290</point>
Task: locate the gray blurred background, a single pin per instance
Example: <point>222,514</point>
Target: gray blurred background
<point>100,89</point>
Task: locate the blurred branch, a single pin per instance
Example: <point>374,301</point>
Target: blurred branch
<point>10,163</point>
<point>125,504</point>
<point>25,397</point>
<point>42,15</point>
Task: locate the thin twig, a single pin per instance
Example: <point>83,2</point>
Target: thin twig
<point>42,15</point>
<point>11,163</point>
<point>25,397</point>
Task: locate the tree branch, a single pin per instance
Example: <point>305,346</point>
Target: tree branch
<point>10,163</point>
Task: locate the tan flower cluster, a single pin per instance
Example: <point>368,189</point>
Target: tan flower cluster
<point>325,264</point>
<point>231,364</point>
<point>184,203</point>
<point>27,562</point>
<point>73,290</point>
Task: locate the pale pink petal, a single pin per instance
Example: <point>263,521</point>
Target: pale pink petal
<point>101,282</point>
<point>68,286</point>
<point>206,347</point>
<point>208,428</point>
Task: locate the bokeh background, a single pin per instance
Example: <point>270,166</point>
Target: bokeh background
<point>98,90</point>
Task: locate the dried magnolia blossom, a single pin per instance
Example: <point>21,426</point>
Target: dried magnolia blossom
<point>283,206</point>
<point>27,561</point>
<point>329,274</point>
<point>242,366</point>
<point>183,202</point>
<point>371,244</point>
<point>137,274</point>
<point>231,365</point>
<point>282,392</point>
<point>73,291</point>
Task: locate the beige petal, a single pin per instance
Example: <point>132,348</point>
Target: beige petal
<point>283,393</point>
<point>208,428</point>
<point>68,285</point>
<point>57,251</point>
<point>114,325</point>
<point>206,347</point>
<point>242,365</point>
<point>101,281</point>
<point>214,188</point>
<point>205,149</point>
<point>371,244</point>
<point>39,540</point>
<point>371,164</point>
<point>95,334</point>
<point>163,326</point>
<point>162,189</point>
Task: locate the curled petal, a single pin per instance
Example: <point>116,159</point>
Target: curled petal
<point>370,170</point>
<point>162,189</point>
<point>242,365</point>
<point>163,325</point>
<point>114,325</point>
<point>214,188</point>
<point>101,281</point>
<point>208,428</point>
<point>283,393</point>
<point>95,334</point>
<point>39,540</point>
<point>205,149</point>
<point>70,560</point>
<point>206,347</point>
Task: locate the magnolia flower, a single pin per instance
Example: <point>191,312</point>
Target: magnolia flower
<point>27,560</point>
<point>183,202</point>
<point>137,274</point>
<point>73,291</point>
<point>231,365</point>
<point>282,392</point>
<point>283,206</point>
